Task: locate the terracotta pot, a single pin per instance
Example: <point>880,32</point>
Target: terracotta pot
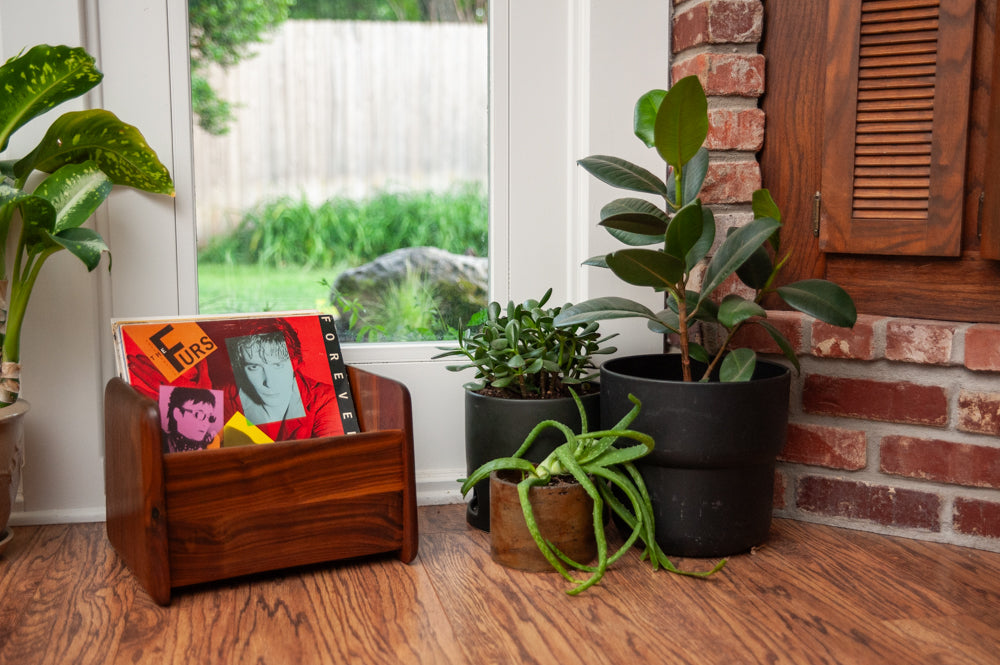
<point>11,457</point>
<point>564,513</point>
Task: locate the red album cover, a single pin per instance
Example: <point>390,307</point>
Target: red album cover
<point>237,381</point>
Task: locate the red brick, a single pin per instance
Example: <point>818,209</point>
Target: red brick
<point>894,402</point>
<point>923,342</point>
<point>857,343</point>
<point>732,74</point>
<point>979,412</point>
<point>889,506</point>
<point>977,518</point>
<point>982,347</point>
<point>755,337</point>
<point>826,446</point>
<point>731,182</point>
<point>718,22</point>
<point>779,490</point>
<point>735,129</point>
<point>941,461</point>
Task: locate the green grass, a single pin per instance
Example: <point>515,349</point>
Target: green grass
<point>285,253</point>
<point>226,289</point>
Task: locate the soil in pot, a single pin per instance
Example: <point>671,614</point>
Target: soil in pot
<point>563,511</point>
<point>711,475</point>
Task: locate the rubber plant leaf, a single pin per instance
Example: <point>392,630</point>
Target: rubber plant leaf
<point>734,310</point>
<point>644,117</point>
<point>682,122</point>
<point>738,365</point>
<point>598,309</point>
<point>735,250</point>
<point>647,267</point>
<point>38,80</point>
<point>621,173</point>
<point>636,216</point>
<point>684,232</point>
<point>821,299</point>
<point>118,149</point>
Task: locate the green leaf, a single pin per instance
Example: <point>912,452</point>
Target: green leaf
<point>75,191</point>
<point>682,122</point>
<point>119,149</point>
<point>698,352</point>
<point>646,267</point>
<point>684,232</point>
<point>821,299</point>
<point>635,216</point>
<point>704,245</point>
<point>693,175</point>
<point>734,310</point>
<point>599,309</point>
<point>764,206</point>
<point>624,174</point>
<point>782,343</point>
<point>85,244</point>
<point>39,80</point>
<point>735,250</point>
<point>757,270</point>
<point>644,117</point>
<point>738,365</point>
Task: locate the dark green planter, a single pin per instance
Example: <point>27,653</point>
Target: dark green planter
<point>711,475</point>
<point>496,427</point>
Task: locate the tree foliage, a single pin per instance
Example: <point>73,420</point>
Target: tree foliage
<point>223,32</point>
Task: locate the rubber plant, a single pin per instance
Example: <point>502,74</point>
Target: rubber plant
<point>675,123</point>
<point>85,153</point>
<point>606,472</point>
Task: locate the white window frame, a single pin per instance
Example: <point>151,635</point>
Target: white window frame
<point>564,75</point>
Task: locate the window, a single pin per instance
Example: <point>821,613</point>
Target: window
<point>885,106</point>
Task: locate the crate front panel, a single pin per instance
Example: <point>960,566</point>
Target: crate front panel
<point>244,510</point>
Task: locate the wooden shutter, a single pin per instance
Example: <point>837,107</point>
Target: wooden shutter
<point>898,76</point>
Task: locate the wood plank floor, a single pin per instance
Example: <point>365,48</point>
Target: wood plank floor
<point>812,594</point>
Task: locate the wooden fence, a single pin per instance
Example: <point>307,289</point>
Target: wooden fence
<point>346,108</point>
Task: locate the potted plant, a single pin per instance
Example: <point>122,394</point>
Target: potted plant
<point>718,415</point>
<point>85,153</point>
<point>524,366</point>
<point>553,513</point>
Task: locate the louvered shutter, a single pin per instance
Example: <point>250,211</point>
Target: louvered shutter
<point>896,106</point>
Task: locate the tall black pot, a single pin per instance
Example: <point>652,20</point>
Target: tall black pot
<point>496,427</point>
<point>711,474</point>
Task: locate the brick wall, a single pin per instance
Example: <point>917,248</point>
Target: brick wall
<point>894,425</point>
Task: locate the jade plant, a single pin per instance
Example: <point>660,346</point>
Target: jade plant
<point>675,123</point>
<point>85,153</point>
<point>606,472</point>
<point>521,353</point>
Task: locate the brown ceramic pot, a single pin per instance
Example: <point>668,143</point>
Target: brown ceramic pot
<point>564,513</point>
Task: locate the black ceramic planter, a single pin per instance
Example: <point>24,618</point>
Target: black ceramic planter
<point>496,427</point>
<point>711,475</point>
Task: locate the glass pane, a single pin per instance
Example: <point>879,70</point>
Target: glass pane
<point>341,161</point>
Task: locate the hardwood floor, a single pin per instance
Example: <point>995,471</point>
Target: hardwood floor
<point>812,594</point>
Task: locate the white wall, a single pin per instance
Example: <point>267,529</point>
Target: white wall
<point>563,87</point>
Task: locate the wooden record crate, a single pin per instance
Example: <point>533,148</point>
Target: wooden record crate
<point>178,519</point>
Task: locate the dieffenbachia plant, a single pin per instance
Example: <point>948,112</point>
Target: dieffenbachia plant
<point>85,153</point>
<point>605,472</point>
<point>675,123</point>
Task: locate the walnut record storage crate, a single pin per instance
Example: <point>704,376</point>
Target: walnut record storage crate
<point>179,519</point>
